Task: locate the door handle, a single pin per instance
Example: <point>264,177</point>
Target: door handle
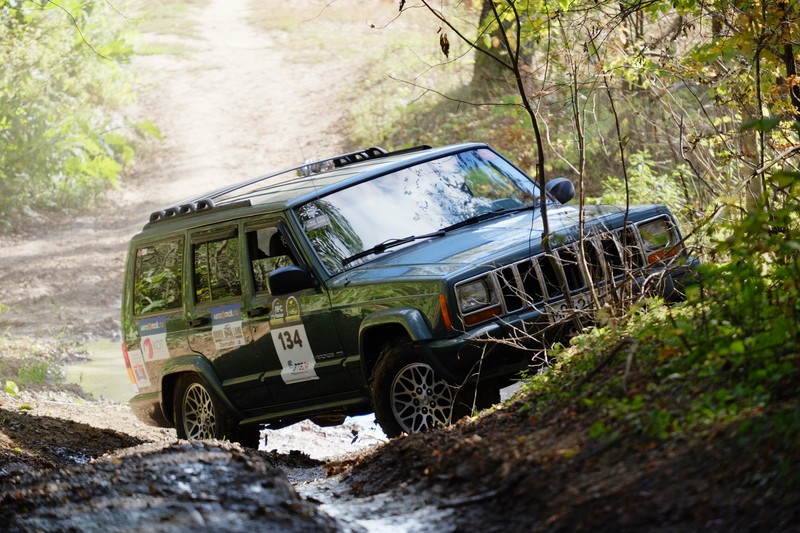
<point>199,321</point>
<point>258,311</point>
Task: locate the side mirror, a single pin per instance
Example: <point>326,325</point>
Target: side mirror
<point>289,279</point>
<point>561,189</point>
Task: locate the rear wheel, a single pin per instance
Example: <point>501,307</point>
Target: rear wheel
<point>407,394</point>
<point>199,415</point>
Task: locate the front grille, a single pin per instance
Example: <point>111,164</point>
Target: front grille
<point>532,281</point>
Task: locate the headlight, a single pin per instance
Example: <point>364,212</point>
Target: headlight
<point>475,295</point>
<point>478,300</point>
<point>660,239</point>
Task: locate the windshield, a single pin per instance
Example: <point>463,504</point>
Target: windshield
<point>414,201</point>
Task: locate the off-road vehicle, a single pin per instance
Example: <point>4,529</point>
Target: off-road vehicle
<point>414,284</point>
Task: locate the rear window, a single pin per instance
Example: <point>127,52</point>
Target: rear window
<point>157,278</point>
<point>216,268</point>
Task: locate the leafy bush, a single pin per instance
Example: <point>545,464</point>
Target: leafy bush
<point>645,185</point>
<point>62,80</point>
<point>36,365</point>
<point>729,356</point>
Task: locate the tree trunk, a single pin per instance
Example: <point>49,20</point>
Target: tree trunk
<point>489,74</point>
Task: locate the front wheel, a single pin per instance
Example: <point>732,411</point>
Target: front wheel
<point>407,395</point>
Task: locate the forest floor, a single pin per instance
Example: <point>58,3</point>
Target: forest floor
<point>232,104</point>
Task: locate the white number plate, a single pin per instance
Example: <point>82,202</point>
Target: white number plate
<point>294,352</point>
<point>560,311</point>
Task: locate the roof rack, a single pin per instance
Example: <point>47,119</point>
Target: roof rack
<point>191,208</point>
<point>306,169</point>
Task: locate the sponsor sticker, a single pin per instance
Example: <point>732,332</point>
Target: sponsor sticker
<point>226,326</point>
<point>292,309</point>
<point>291,342</point>
<point>153,335</point>
<point>294,353</point>
<point>137,366</point>
<point>318,222</point>
<point>278,313</point>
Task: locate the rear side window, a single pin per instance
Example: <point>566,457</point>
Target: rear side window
<point>216,269</point>
<point>157,279</point>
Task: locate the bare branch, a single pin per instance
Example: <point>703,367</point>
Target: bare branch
<point>463,37</point>
<point>450,98</point>
<point>77,28</point>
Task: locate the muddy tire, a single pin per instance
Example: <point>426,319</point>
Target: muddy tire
<point>407,395</point>
<point>199,415</point>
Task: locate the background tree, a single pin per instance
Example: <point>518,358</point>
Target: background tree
<point>63,80</point>
<point>702,95</point>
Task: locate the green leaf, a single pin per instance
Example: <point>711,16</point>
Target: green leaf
<point>11,388</point>
<point>784,178</point>
<point>148,127</point>
<point>761,124</point>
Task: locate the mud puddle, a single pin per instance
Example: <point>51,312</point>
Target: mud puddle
<point>397,512</point>
<point>102,373</point>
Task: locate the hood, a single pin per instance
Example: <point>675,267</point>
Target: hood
<point>500,240</point>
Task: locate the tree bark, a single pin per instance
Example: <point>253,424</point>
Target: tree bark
<point>488,74</point>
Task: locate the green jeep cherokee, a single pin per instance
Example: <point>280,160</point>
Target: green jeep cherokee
<point>413,284</point>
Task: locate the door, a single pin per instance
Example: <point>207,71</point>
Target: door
<point>294,333</point>
<point>154,325</point>
<point>216,320</point>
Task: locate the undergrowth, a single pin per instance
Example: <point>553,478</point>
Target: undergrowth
<point>727,360</point>
<point>36,365</point>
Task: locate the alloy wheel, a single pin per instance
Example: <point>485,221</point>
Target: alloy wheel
<point>419,400</point>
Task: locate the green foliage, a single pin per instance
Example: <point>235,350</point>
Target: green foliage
<point>32,364</point>
<point>658,93</point>
<point>35,372</point>
<point>646,185</point>
<point>11,388</point>
<point>729,357</point>
<point>62,79</point>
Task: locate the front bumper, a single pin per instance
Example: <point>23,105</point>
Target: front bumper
<point>503,347</point>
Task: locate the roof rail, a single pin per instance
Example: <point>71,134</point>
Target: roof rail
<point>308,168</point>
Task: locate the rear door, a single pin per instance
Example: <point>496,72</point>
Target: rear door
<point>153,320</point>
<point>217,326</point>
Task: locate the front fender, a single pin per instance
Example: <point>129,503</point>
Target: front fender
<point>384,325</point>
<point>412,320</point>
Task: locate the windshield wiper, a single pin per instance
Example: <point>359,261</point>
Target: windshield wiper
<point>391,243</point>
<point>485,216</point>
